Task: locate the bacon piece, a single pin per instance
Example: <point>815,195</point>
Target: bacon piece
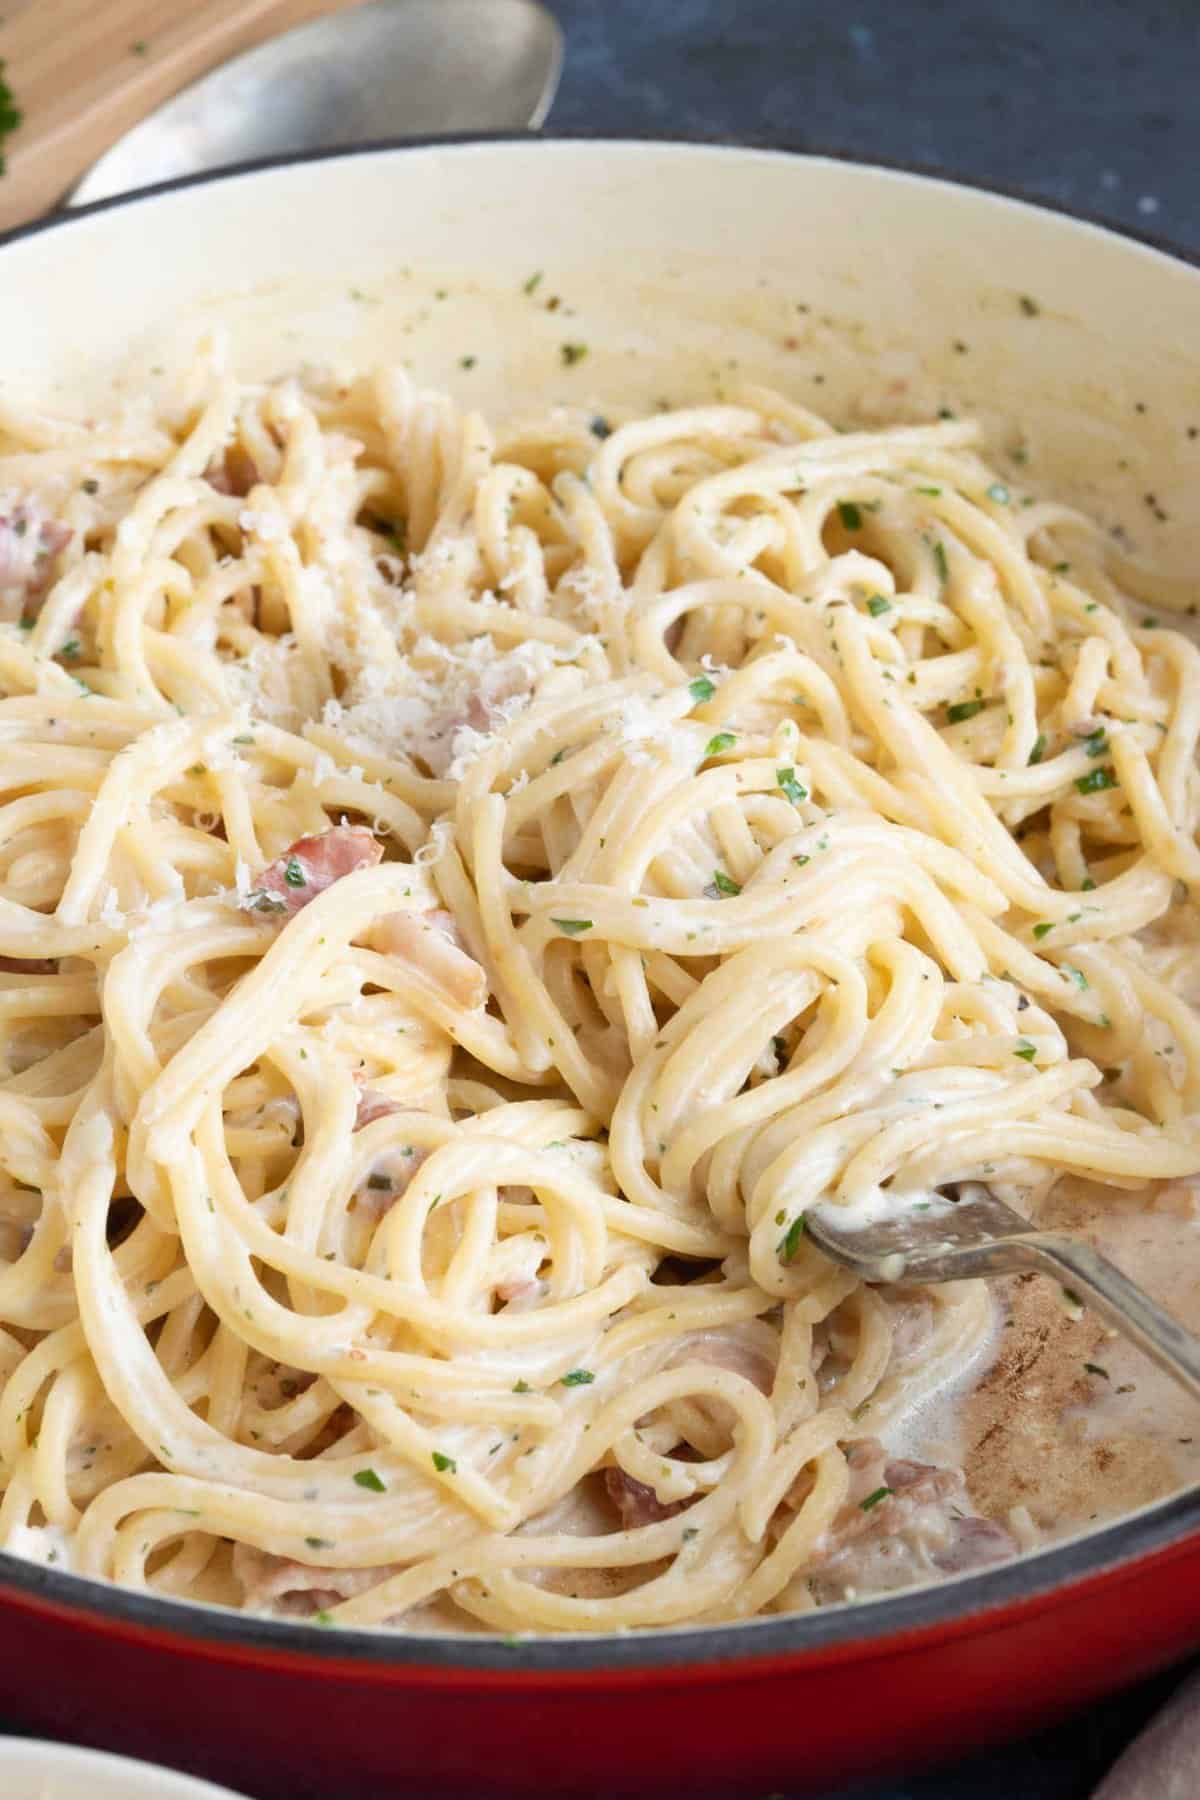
<point>913,1483</point>
<point>393,1168</point>
<point>456,729</point>
<point>866,1460</point>
<point>747,1349</point>
<point>311,865</point>
<point>430,942</point>
<point>30,541</point>
<point>919,1483</point>
<point>236,472</point>
<point>902,1522</point>
<point>296,1590</point>
<point>372,1105</point>
<point>637,1503</point>
<point>975,1542</point>
<point>29,965</point>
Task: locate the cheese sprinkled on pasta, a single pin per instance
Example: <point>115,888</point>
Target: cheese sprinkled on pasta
<point>465,894</point>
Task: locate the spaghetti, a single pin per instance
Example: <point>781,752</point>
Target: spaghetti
<point>463,897</point>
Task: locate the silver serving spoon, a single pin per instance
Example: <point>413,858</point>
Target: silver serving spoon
<point>394,68</point>
<point>973,1233</point>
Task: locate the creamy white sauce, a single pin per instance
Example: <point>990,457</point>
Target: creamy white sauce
<point>930,1428</point>
<point>1133,1397</point>
<point>47,1544</point>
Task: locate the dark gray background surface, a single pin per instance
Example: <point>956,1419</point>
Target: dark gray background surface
<point>1088,104</point>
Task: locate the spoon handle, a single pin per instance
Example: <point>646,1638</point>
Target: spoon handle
<point>1171,1345</point>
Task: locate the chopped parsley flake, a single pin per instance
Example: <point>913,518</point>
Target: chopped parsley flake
<point>534,281</point>
<point>318,1543</point>
<point>1095,1369</point>
<point>701,689</point>
<point>1039,749</point>
<point>725,885</point>
<point>578,1378</point>
<point>850,515</point>
<point>367,1478</point>
<point>1096,781</point>
<point>939,557</point>
<point>1025,1050</point>
<point>1097,743</point>
<point>963,710</point>
<point>572,927</point>
<point>881,1493</point>
<point>572,353</point>
<point>445,1465</point>
<point>789,1243</point>
<point>1044,925</point>
<point>1075,975</point>
<point>724,740</point>
<point>877,604</point>
<point>793,789</point>
<point>521,1387</point>
<point>293,872</point>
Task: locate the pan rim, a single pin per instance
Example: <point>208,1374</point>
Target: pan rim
<point>1104,1555</point>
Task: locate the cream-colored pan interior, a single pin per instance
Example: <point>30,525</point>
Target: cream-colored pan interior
<point>683,270</point>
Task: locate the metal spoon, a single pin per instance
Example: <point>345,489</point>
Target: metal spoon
<point>971,1232</point>
<point>394,68</point>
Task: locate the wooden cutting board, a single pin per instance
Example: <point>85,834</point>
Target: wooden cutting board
<point>82,72</point>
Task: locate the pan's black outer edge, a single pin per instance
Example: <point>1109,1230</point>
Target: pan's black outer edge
<point>873,1624</point>
<point>754,1641</point>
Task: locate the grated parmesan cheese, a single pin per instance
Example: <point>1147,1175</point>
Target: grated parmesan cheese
<point>588,592</point>
<point>444,704</point>
<point>655,737</point>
